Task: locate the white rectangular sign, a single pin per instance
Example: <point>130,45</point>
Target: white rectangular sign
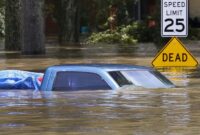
<point>174,16</point>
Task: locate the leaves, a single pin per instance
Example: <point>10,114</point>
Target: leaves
<point>121,35</point>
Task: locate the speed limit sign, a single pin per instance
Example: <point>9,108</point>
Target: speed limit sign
<point>174,16</point>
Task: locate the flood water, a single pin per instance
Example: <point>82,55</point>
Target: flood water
<point>128,111</point>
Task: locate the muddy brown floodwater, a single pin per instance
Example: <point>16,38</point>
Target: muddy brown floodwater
<point>128,111</point>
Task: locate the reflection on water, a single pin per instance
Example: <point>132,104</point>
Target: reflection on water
<point>183,77</point>
<point>129,110</point>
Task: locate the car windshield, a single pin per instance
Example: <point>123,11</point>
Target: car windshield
<point>147,79</point>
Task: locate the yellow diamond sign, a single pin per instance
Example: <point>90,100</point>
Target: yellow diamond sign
<point>174,54</point>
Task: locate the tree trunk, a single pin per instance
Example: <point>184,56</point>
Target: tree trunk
<point>12,25</point>
<point>32,27</point>
<point>69,21</point>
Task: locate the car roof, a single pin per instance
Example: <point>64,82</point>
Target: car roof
<point>105,67</point>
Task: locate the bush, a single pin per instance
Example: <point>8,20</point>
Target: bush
<point>128,34</point>
<point>141,31</point>
<point>120,35</point>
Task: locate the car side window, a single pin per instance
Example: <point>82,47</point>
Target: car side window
<point>71,81</point>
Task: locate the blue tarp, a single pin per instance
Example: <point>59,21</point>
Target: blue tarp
<point>17,79</point>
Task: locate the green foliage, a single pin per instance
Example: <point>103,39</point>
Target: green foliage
<point>121,35</point>
<point>95,13</point>
<point>129,34</point>
<point>2,18</point>
<point>141,31</point>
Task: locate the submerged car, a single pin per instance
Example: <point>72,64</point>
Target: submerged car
<point>101,77</point>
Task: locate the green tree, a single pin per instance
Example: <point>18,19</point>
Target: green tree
<point>101,12</point>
